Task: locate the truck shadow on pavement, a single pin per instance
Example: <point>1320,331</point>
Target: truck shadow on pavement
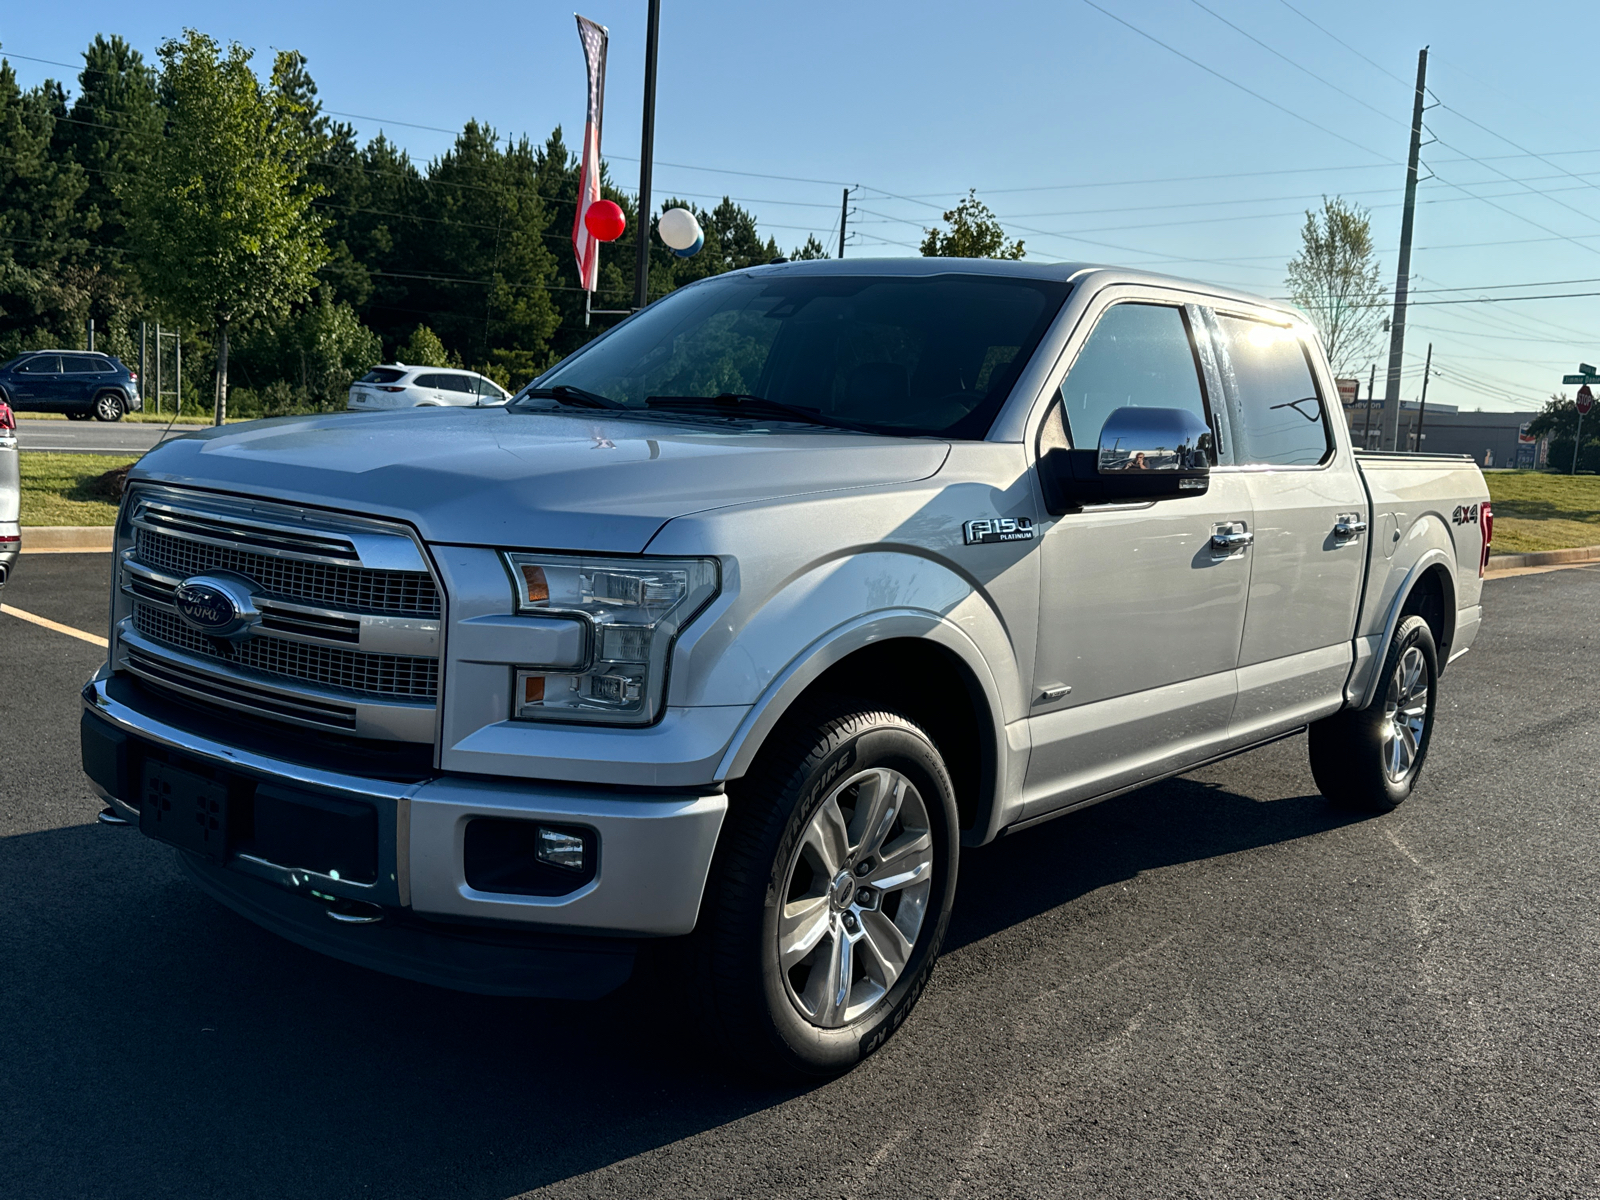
<point>156,1044</point>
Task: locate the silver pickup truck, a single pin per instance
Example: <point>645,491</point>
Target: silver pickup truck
<point>744,622</point>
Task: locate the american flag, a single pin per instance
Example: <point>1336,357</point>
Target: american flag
<point>584,244</point>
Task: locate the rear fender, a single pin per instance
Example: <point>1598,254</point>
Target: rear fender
<point>1430,554</point>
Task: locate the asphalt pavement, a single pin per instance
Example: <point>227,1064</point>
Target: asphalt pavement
<point>95,437</point>
<point>1216,986</point>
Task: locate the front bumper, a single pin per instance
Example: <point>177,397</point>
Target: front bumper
<point>654,849</point>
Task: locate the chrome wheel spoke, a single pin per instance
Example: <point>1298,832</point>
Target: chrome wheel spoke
<point>877,805</point>
<point>906,861</point>
<point>827,837</point>
<point>828,990</point>
<point>887,949</point>
<point>801,925</point>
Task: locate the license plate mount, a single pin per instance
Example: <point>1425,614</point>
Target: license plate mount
<point>184,810</point>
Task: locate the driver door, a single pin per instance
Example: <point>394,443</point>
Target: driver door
<point>1140,618</point>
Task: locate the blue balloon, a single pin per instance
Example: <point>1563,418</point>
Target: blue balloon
<point>691,251</point>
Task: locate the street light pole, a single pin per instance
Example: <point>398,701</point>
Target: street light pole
<point>641,288</point>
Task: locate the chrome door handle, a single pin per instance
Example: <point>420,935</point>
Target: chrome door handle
<point>1227,540</point>
<point>1348,527</point>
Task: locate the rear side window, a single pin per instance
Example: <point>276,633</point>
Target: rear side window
<point>1139,356</point>
<point>79,364</point>
<point>1280,413</point>
<point>381,375</point>
<point>455,383</point>
<point>427,381</point>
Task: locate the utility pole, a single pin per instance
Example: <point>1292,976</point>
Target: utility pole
<point>1422,409</point>
<point>90,346</point>
<point>647,140</point>
<point>844,215</point>
<point>1366,426</point>
<point>1397,326</point>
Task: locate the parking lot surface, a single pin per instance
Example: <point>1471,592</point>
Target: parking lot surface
<point>1215,986</point>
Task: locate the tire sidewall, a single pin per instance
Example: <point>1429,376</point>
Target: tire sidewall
<point>880,740</point>
<point>100,403</point>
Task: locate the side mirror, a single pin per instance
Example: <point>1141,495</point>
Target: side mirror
<point>1144,454</point>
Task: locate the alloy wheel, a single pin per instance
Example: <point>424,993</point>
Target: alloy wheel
<point>1405,714</point>
<point>855,897</point>
<point>107,407</point>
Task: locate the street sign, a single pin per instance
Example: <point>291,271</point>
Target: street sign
<point>1585,400</point>
<point>1588,377</point>
<point>1348,389</point>
<point>1585,369</point>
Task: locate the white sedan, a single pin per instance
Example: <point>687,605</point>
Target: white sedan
<point>396,385</point>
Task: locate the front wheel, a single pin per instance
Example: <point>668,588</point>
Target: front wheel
<point>833,889</point>
<point>1370,758</point>
<point>108,407</point>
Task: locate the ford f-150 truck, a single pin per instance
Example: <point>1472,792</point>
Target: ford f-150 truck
<point>743,622</point>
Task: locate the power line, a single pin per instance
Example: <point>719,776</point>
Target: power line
<point>1405,83</point>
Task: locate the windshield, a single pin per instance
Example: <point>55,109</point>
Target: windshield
<point>903,355</point>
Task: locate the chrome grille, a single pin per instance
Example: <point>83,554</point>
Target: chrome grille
<point>356,589</point>
<point>393,676</point>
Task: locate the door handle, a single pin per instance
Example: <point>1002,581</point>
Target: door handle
<point>1348,525</point>
<point>1228,538</point>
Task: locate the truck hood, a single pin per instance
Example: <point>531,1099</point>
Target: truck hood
<point>542,480</point>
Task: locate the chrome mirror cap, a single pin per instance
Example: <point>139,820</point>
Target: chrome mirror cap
<point>1142,440</point>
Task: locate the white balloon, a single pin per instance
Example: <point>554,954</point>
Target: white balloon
<point>678,228</point>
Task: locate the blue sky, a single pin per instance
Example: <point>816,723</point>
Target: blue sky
<point>1091,142</point>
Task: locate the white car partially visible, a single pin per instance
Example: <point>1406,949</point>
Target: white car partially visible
<point>395,385</point>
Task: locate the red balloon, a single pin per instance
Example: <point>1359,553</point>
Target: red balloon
<point>604,219</point>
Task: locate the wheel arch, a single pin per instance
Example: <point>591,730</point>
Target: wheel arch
<point>928,668</point>
<point>1429,590</point>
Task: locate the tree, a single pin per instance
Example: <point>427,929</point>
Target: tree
<point>220,220</point>
<point>812,249</point>
<point>41,232</point>
<point>424,349</point>
<point>1334,279</point>
<point>1559,422</point>
<point>975,232</point>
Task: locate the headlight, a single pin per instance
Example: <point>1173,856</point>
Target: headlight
<point>634,609</point>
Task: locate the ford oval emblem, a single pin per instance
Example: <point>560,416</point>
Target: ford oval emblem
<point>212,605</point>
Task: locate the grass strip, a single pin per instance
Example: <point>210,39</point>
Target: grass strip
<point>57,489</point>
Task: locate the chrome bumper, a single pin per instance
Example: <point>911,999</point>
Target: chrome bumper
<point>654,849</point>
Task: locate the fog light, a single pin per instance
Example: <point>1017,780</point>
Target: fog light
<point>559,849</point>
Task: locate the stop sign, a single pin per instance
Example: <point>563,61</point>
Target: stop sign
<point>1585,400</point>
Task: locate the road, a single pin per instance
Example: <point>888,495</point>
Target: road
<point>1216,986</point>
<point>95,437</point>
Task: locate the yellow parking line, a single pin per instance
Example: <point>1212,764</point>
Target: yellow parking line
<point>92,639</point>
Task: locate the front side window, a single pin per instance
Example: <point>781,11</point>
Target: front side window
<point>1280,412</point>
<point>42,364</point>
<point>930,355</point>
<point>1139,356</point>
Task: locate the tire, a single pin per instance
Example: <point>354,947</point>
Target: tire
<point>108,407</point>
<point>800,814</point>
<point>1370,758</point>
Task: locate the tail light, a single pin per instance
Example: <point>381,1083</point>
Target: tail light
<point>8,420</point>
<point>133,376</point>
<point>1485,523</point>
<point>392,389</point>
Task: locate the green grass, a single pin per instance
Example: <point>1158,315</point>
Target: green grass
<point>1537,511</point>
<point>137,418</point>
<point>57,488</point>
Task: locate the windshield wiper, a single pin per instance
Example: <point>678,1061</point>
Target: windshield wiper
<point>574,396</point>
<point>743,404</point>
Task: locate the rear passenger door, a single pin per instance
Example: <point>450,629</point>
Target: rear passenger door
<point>1305,578</point>
<point>80,378</point>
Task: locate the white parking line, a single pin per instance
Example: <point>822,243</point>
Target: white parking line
<point>92,639</point>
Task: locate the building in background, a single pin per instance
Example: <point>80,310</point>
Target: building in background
<point>1502,436</point>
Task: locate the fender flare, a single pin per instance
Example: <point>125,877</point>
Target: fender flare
<point>1432,557</point>
<point>837,644</point>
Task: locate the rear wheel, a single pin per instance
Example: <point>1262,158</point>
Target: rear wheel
<point>833,889</point>
<point>108,407</point>
<point>1370,758</point>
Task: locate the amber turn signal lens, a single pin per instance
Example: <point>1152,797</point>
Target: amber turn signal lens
<point>533,689</point>
<point>538,590</point>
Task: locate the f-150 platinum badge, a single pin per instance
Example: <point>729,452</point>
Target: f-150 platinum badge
<point>997,529</point>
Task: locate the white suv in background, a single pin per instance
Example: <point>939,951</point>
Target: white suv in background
<point>399,386</point>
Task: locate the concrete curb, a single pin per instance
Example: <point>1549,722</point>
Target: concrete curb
<point>66,538</point>
<point>1542,558</point>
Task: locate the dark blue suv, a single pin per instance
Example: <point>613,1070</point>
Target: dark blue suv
<point>80,383</point>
